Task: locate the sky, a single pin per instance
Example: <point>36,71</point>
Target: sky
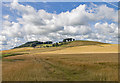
<point>54,21</point>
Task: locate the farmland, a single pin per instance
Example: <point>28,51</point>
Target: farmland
<point>76,61</point>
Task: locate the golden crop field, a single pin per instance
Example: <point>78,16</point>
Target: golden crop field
<point>65,63</point>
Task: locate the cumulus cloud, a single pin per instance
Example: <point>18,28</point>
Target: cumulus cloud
<point>106,28</point>
<point>41,22</point>
<point>3,40</point>
<point>40,25</point>
<point>6,17</point>
<point>12,29</point>
<point>76,30</point>
<point>105,12</point>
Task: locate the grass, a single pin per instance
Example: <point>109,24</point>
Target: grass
<point>13,60</point>
<point>82,43</point>
<point>72,66</point>
<point>100,48</point>
<point>44,45</point>
<point>12,54</point>
<point>61,67</point>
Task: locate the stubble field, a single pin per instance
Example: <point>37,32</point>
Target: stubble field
<point>49,64</point>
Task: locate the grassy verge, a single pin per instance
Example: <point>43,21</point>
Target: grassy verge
<point>12,54</point>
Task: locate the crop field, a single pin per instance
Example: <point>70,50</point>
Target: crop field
<point>61,63</point>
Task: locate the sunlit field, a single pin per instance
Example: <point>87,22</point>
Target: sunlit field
<point>65,63</point>
<point>59,40</point>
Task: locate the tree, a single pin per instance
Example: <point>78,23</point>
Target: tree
<point>64,40</point>
<point>53,45</point>
<point>47,46</point>
<point>33,45</point>
<point>57,44</point>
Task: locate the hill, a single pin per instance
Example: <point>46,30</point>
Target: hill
<point>33,44</point>
<point>66,61</point>
<point>64,43</point>
<point>48,47</point>
<point>81,43</point>
<point>83,49</point>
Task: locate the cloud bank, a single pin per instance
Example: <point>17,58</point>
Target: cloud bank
<point>79,23</point>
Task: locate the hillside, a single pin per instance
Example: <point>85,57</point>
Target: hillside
<point>72,47</point>
<point>68,61</point>
<point>82,43</point>
<point>78,47</point>
<point>33,44</point>
<point>100,48</point>
<point>39,44</point>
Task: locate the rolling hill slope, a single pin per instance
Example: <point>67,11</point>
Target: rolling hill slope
<point>73,47</point>
<point>76,60</point>
<point>64,44</point>
<point>106,48</point>
<point>81,43</point>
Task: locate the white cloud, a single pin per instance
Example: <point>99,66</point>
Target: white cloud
<point>6,23</point>
<point>6,17</point>
<point>14,30</point>
<point>107,29</point>
<point>2,38</point>
<point>76,30</point>
<point>41,22</point>
<point>105,12</point>
<point>41,25</point>
<point>3,41</point>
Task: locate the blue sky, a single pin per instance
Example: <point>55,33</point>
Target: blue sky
<point>57,6</point>
<point>84,25</point>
